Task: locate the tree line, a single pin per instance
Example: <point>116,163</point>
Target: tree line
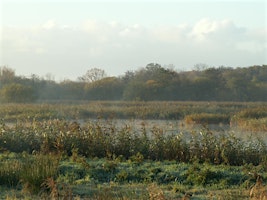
<point>150,83</point>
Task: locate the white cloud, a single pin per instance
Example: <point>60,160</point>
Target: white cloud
<point>113,45</point>
<point>174,34</point>
<point>91,25</point>
<point>50,24</point>
<point>207,29</point>
<point>134,31</point>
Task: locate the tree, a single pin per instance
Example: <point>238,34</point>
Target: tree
<point>17,93</point>
<point>109,88</point>
<point>93,75</point>
<point>150,83</point>
<point>200,67</point>
<point>7,75</point>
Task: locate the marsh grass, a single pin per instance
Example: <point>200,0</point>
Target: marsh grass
<point>10,172</point>
<point>103,139</point>
<point>207,118</point>
<point>58,156</point>
<point>28,171</point>
<point>251,119</point>
<point>37,169</point>
<point>166,110</point>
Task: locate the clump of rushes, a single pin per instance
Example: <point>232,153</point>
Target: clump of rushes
<point>30,171</point>
<point>37,169</point>
<point>10,172</point>
<point>207,118</point>
<point>252,119</point>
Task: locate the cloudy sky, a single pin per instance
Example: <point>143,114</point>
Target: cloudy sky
<point>66,38</point>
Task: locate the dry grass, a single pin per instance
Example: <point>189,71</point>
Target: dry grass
<point>55,191</point>
<point>258,191</point>
<point>155,193</point>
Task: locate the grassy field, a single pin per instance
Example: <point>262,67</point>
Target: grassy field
<point>46,153</point>
<point>117,178</point>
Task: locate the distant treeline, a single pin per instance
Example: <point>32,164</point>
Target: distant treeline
<point>152,82</point>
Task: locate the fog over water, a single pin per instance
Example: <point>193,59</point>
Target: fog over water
<point>177,127</point>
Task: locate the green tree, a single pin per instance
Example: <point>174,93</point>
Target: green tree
<point>17,93</point>
<point>109,88</point>
<point>71,90</point>
<point>150,83</point>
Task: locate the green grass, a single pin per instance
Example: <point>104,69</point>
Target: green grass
<point>116,179</point>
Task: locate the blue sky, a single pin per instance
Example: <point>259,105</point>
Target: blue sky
<point>66,38</point>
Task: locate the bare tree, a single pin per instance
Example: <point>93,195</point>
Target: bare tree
<point>6,74</point>
<point>93,75</point>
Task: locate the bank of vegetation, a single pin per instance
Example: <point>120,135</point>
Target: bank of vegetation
<point>152,82</point>
<point>60,159</point>
<point>246,116</point>
<point>77,150</point>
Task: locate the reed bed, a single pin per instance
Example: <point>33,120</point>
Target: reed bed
<point>120,110</point>
<point>104,139</point>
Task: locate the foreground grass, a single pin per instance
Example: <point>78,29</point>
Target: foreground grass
<point>117,178</point>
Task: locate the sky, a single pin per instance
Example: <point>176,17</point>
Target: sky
<point>65,38</point>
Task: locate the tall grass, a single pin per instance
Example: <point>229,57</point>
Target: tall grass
<point>105,139</point>
<point>37,169</point>
<point>29,171</point>
<point>251,119</point>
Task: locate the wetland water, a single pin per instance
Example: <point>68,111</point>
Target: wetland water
<point>176,127</point>
<point>169,127</point>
